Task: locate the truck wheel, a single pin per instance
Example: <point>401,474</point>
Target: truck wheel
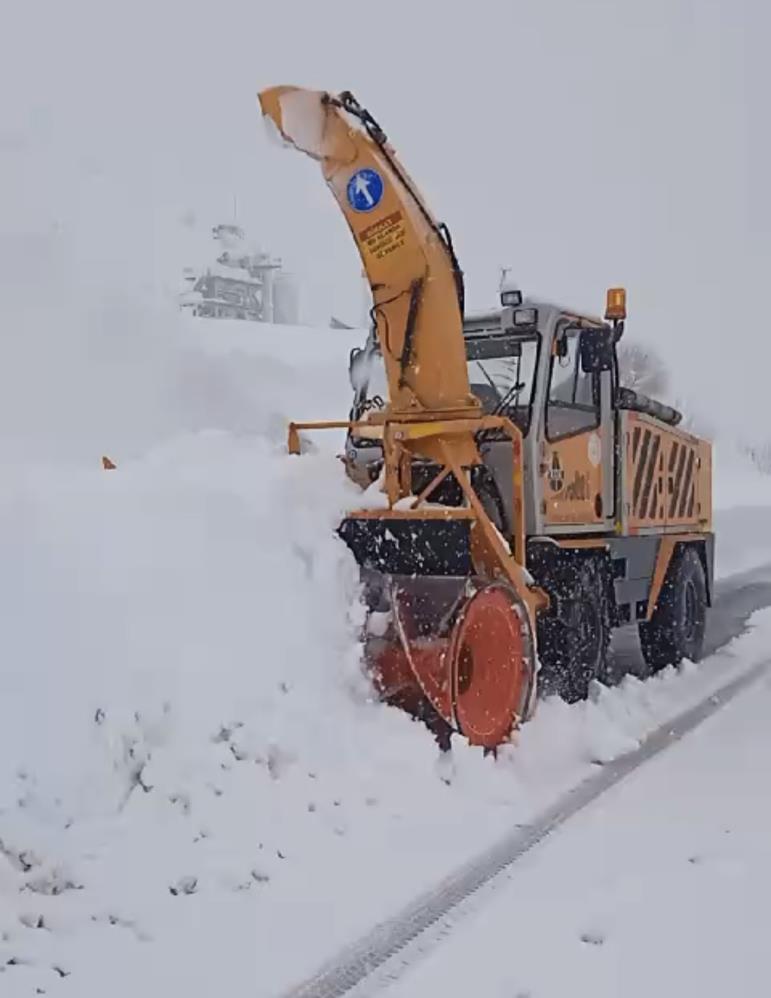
<point>573,654</point>
<point>676,630</point>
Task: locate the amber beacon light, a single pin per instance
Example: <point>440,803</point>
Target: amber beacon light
<point>615,304</point>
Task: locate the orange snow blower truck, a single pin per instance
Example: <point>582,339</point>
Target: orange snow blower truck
<point>524,502</point>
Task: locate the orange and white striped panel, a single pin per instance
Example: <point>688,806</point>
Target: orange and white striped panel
<point>667,476</point>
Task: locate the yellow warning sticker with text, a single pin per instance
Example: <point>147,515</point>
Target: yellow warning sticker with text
<point>384,237</point>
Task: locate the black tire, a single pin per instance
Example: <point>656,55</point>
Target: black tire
<point>573,654</point>
<point>676,630</point>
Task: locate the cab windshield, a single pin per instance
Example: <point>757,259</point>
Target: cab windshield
<point>501,371</point>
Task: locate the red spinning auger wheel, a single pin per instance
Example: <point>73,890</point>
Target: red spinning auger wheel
<point>456,651</point>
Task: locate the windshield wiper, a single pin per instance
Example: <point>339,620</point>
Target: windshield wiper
<point>489,380</point>
<point>515,389</point>
<point>504,401</point>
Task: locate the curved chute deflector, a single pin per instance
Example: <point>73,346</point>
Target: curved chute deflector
<point>407,256</point>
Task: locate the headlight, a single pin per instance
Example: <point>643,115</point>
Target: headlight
<point>511,298</point>
<point>525,316</point>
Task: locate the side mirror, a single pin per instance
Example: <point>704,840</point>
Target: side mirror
<point>596,351</point>
<point>354,366</point>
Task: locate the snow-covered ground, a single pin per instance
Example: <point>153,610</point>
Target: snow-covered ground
<point>198,795</point>
<point>197,792</point>
<point>659,887</point>
<point>742,501</point>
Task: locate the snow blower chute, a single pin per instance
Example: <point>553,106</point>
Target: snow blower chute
<point>451,635</point>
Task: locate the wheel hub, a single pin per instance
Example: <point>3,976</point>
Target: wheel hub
<point>493,664</point>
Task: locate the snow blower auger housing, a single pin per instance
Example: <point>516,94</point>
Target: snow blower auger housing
<point>519,519</point>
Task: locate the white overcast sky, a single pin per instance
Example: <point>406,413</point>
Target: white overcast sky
<point>583,143</point>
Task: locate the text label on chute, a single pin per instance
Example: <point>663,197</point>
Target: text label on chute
<point>384,237</point>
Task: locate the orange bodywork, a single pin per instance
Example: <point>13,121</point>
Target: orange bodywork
<point>571,475</point>
<point>668,475</point>
<point>666,485</point>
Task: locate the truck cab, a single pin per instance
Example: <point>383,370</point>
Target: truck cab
<point>503,374</point>
<point>554,373</point>
<point>538,365</point>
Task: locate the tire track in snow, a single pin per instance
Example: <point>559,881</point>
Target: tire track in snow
<point>382,955</point>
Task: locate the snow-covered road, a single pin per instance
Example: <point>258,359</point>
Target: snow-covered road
<point>660,886</point>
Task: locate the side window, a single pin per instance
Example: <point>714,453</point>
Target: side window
<point>571,407</point>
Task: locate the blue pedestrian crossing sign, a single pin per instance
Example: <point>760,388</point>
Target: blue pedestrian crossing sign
<point>365,190</point>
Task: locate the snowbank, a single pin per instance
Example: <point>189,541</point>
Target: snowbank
<point>172,649</point>
<point>179,636</point>
<point>742,515</point>
<point>114,377</point>
<point>738,482</point>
